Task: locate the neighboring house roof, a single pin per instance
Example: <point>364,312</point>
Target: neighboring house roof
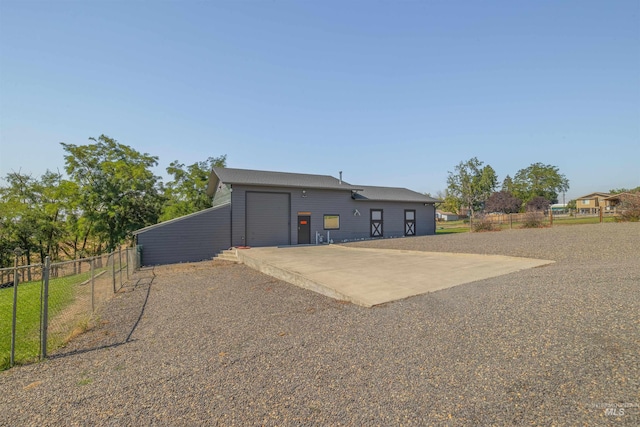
<point>391,194</point>
<point>275,179</point>
<point>446,213</point>
<point>592,195</point>
<point>621,196</point>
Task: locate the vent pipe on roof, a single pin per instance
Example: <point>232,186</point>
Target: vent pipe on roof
<point>340,177</point>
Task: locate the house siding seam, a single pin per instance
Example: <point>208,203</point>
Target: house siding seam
<point>188,239</point>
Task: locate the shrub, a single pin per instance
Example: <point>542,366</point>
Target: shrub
<point>538,204</point>
<point>533,219</point>
<point>482,223</point>
<point>629,208</point>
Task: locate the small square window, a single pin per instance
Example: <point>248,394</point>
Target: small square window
<point>332,222</point>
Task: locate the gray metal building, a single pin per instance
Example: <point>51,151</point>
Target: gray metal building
<point>261,208</point>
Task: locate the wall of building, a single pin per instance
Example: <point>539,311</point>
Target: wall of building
<point>320,202</point>
<point>191,238</point>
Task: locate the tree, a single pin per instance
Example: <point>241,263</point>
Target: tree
<point>119,193</point>
<point>507,184</point>
<point>19,216</point>
<point>539,180</point>
<point>471,185</point>
<point>31,214</point>
<point>538,203</point>
<point>503,201</point>
<point>187,192</point>
<point>624,190</point>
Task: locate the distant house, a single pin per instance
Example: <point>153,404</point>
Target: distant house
<point>446,216</point>
<point>591,203</point>
<point>264,208</point>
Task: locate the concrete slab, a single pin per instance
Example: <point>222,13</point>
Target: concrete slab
<point>369,277</point>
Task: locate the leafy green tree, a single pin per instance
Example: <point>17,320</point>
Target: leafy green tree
<point>471,184</point>
<point>539,180</point>
<point>119,192</point>
<point>507,185</point>
<point>624,190</point>
<point>187,192</point>
<point>19,222</point>
<point>30,214</point>
<point>451,203</point>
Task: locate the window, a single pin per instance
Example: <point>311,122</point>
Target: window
<point>586,202</point>
<point>332,222</point>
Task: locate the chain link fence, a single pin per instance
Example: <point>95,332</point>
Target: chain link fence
<point>43,306</point>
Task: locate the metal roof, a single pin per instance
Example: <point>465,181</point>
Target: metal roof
<point>280,179</point>
<point>391,194</point>
<point>302,180</point>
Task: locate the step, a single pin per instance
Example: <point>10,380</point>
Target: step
<point>227,255</point>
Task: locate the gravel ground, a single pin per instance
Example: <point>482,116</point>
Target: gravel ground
<point>214,343</point>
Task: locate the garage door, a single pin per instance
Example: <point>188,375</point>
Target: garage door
<point>268,219</point>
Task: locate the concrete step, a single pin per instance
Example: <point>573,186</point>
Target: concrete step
<point>227,255</point>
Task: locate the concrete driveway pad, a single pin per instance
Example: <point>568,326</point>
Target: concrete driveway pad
<point>370,277</point>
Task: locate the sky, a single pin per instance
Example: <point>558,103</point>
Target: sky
<point>392,93</point>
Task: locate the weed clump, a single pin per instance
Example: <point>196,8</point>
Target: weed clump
<point>483,223</point>
<point>533,219</point>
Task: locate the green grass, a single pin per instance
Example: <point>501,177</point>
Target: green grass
<point>61,293</point>
<point>450,227</point>
<point>581,220</point>
<point>451,230</point>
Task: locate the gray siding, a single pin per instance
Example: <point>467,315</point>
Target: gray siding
<point>268,219</point>
<point>194,237</point>
<point>333,202</point>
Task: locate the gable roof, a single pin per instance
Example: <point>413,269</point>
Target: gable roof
<point>625,195</point>
<point>592,195</point>
<point>391,194</point>
<point>277,179</point>
<point>302,180</point>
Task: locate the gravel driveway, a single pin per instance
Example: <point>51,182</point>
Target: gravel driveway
<point>213,343</point>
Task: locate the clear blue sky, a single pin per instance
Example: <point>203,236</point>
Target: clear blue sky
<point>391,92</point>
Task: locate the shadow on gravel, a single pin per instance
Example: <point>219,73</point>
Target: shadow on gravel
<point>124,315</point>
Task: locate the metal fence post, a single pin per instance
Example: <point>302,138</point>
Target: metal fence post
<point>93,284</point>
<point>120,263</point>
<point>45,307</point>
<point>113,269</point>
<point>128,258</point>
<point>17,252</point>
